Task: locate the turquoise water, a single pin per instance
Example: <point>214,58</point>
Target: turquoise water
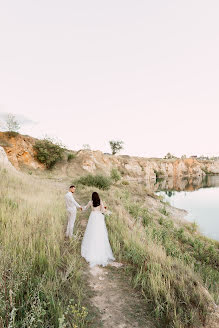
<point>201,201</point>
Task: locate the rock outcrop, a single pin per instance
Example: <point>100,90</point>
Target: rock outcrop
<point>141,168</point>
<point>20,152</point>
<point>4,159</point>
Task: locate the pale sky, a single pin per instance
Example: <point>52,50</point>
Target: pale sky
<point>86,72</point>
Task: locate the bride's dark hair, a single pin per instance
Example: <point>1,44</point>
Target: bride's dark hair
<point>95,199</point>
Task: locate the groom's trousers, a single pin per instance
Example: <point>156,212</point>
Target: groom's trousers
<point>71,221</point>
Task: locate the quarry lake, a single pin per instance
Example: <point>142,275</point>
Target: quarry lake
<point>199,197</point>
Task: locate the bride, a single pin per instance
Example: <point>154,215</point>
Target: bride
<point>95,246</point>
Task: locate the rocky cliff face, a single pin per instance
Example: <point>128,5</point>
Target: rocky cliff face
<point>20,152</point>
<point>4,159</point>
<point>141,168</point>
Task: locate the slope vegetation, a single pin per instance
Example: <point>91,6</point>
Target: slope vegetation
<point>172,268</point>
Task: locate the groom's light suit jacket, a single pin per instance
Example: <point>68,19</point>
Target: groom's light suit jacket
<point>71,204</point>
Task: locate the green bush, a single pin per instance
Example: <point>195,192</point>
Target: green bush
<point>99,181</point>
<point>48,152</point>
<point>164,211</point>
<point>70,156</point>
<point>125,183</point>
<point>159,174</point>
<point>115,175</point>
<point>11,134</point>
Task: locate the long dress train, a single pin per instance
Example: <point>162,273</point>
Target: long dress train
<point>95,246</point>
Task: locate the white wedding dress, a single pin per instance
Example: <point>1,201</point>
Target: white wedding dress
<point>95,246</point>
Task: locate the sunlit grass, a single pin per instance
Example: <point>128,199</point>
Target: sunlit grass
<point>170,265</point>
<point>40,273</point>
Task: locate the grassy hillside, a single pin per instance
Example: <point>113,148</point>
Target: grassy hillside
<point>41,273</point>
<point>171,264</point>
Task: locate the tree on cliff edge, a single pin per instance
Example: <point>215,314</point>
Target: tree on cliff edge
<point>12,124</point>
<point>116,146</point>
<point>169,156</point>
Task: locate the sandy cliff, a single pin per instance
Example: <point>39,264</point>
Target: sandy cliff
<point>20,152</point>
<point>145,168</point>
<point>4,159</point>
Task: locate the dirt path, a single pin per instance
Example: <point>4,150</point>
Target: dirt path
<point>118,304</point>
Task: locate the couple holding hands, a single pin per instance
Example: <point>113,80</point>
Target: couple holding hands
<point>95,247</point>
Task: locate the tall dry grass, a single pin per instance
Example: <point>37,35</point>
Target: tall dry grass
<point>169,264</point>
<point>40,273</point>
<point>161,260</point>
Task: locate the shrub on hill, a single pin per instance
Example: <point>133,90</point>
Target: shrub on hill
<point>48,152</point>
<point>71,156</point>
<point>115,175</point>
<point>11,134</point>
<point>99,181</point>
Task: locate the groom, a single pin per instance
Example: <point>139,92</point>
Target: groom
<point>71,206</point>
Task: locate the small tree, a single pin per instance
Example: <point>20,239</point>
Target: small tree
<point>86,147</point>
<point>116,146</point>
<point>12,124</point>
<point>169,156</point>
